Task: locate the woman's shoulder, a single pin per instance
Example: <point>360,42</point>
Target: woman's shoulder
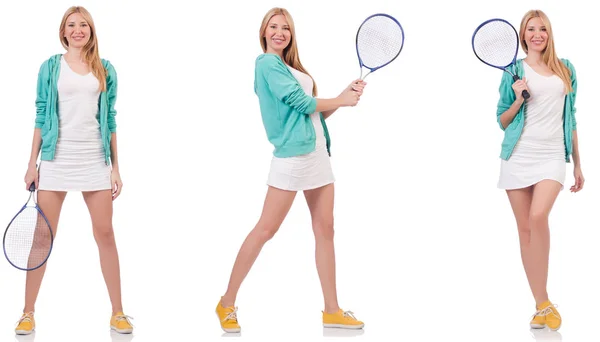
<point>107,64</point>
<point>567,63</point>
<point>111,73</point>
<point>268,60</point>
<point>52,60</point>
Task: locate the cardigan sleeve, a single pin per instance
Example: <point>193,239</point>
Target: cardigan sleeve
<point>43,85</point>
<point>111,92</point>
<point>284,86</point>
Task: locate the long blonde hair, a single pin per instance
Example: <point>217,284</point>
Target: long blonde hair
<point>90,50</point>
<point>549,54</point>
<point>290,53</point>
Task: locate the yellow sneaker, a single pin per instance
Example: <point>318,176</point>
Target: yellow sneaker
<point>228,318</point>
<point>551,315</point>
<point>341,319</point>
<point>538,321</point>
<point>26,324</point>
<point>121,323</point>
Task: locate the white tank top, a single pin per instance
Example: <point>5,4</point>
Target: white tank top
<point>78,105</point>
<point>544,110</point>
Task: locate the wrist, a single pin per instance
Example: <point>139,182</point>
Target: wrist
<point>32,165</point>
<point>519,101</point>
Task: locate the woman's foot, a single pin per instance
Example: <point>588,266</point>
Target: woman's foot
<point>121,323</point>
<point>228,318</point>
<point>26,324</point>
<point>546,316</point>
<point>341,319</point>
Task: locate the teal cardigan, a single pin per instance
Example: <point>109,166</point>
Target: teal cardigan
<point>512,133</point>
<point>47,107</point>
<point>285,108</point>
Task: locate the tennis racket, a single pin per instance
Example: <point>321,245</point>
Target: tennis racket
<point>28,238</point>
<point>496,43</point>
<point>379,40</point>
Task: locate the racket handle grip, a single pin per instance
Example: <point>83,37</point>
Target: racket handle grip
<point>525,93</point>
<point>32,186</point>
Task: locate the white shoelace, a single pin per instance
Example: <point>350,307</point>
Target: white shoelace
<point>546,311</point>
<point>25,318</point>
<point>232,315</point>
<point>349,314</point>
<point>124,318</point>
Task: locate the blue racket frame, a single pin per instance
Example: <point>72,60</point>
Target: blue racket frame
<point>514,60</point>
<point>32,190</point>
<point>360,61</point>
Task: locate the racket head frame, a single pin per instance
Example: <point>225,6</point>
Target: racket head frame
<point>515,77</point>
<point>360,61</point>
<point>505,67</point>
<point>41,213</point>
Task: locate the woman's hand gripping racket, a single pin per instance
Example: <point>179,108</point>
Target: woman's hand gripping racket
<point>379,40</point>
<point>496,43</point>
<point>28,238</point>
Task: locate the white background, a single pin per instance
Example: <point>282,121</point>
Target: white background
<point>427,246</point>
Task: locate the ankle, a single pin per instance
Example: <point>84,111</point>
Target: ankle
<point>542,303</point>
<point>332,309</point>
<point>227,302</point>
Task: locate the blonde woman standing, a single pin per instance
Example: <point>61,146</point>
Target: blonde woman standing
<point>540,137</point>
<point>75,133</point>
<point>294,120</point>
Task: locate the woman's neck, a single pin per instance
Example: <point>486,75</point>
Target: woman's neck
<point>74,54</point>
<point>534,58</point>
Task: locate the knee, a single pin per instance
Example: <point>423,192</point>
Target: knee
<point>524,227</point>
<point>323,228</point>
<point>41,242</point>
<point>104,235</point>
<point>537,219</point>
<point>265,231</point>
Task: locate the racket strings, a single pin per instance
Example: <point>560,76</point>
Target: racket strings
<point>496,43</point>
<point>379,41</point>
<point>28,239</point>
